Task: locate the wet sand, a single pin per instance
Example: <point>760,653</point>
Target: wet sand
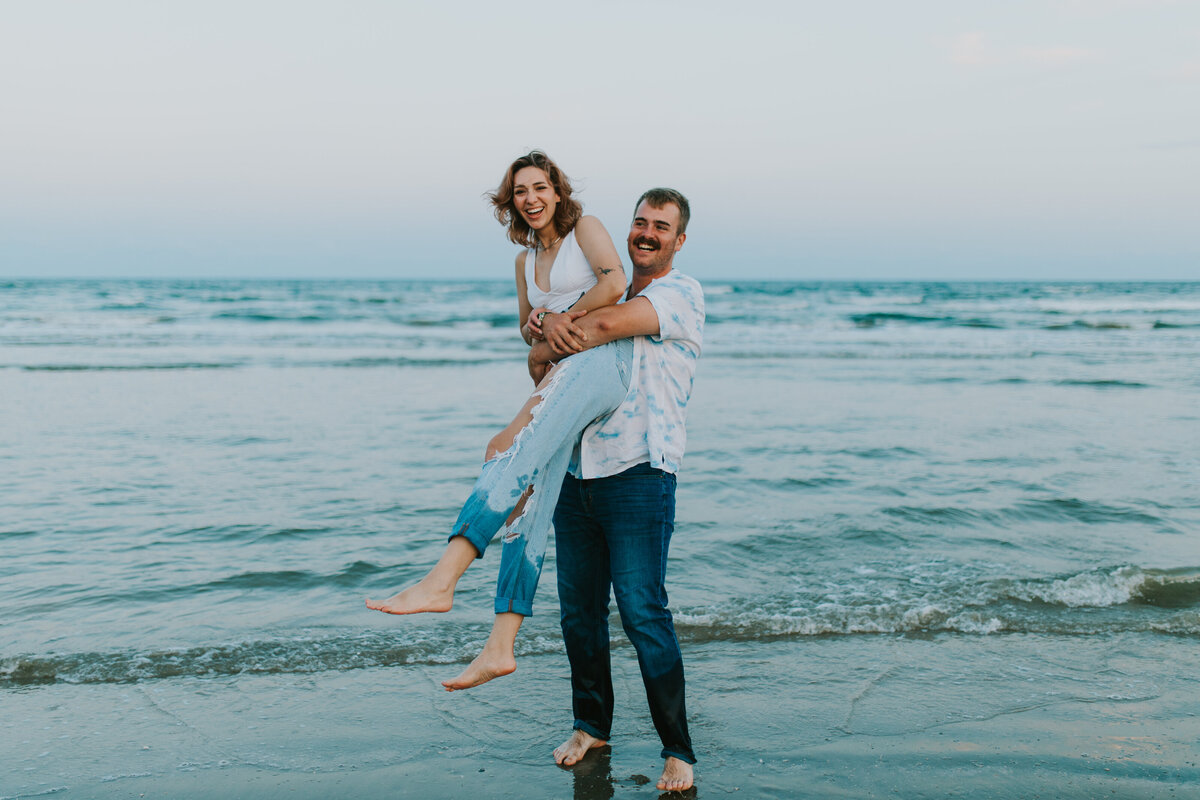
<point>858,716</point>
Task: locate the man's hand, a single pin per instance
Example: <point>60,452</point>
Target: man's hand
<point>562,334</point>
<point>634,318</point>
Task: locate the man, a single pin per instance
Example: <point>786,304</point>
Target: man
<point>615,516</point>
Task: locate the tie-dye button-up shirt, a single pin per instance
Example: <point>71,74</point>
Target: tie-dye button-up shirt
<point>649,423</point>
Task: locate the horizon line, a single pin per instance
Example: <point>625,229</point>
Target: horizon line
<point>468,279</point>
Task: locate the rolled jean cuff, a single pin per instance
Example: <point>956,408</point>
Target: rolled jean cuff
<point>514,605</point>
<point>479,543</point>
<point>590,730</point>
<point>687,757</point>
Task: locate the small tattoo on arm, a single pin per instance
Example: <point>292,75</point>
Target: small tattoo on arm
<point>605,271</point>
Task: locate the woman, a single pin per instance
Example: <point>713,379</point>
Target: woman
<point>570,263</point>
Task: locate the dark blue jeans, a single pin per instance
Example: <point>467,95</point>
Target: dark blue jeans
<point>615,532</point>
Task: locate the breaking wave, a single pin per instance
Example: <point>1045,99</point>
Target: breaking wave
<point>1098,602</point>
<point>295,654</point>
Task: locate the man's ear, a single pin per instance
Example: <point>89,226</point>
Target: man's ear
<point>679,241</point>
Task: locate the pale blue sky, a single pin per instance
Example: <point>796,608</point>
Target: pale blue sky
<point>874,140</point>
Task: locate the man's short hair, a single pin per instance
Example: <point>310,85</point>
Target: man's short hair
<point>659,197</point>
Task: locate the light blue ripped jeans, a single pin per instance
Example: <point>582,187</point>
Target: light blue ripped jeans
<point>585,387</point>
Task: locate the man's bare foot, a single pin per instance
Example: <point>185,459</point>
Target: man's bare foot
<point>575,748</point>
<point>676,777</point>
<point>485,667</point>
<point>423,596</point>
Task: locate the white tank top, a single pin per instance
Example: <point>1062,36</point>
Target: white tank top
<point>570,276</point>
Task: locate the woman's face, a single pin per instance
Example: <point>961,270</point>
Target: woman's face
<point>534,197</point>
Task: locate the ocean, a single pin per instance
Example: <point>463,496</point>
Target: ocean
<point>994,483</point>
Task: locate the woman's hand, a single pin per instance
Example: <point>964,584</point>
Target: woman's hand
<point>539,361</point>
<point>533,325</point>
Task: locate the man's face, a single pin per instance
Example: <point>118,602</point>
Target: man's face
<point>654,237</point>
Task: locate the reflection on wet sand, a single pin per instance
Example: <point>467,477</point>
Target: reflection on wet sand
<point>594,779</point>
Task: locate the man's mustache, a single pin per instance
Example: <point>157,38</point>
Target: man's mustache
<point>641,241</point>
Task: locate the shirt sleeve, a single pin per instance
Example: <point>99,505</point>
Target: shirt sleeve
<point>679,303</point>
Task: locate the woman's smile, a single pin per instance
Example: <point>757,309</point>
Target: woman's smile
<point>534,197</point>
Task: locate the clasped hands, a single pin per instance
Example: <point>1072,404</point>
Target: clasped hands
<point>559,331</point>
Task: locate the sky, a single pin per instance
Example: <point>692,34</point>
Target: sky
<point>857,140</point>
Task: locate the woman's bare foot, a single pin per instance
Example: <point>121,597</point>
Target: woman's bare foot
<point>677,775</point>
<point>424,596</point>
<point>497,657</point>
<point>569,752</point>
<point>434,592</point>
<point>481,670</point>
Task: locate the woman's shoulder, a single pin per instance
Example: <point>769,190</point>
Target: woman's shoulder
<point>589,223</point>
<point>589,229</point>
<point>521,260</point>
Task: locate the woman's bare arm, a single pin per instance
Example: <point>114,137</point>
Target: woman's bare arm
<point>601,254</point>
<point>524,307</point>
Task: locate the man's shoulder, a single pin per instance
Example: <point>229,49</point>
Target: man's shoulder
<point>676,276</point>
<point>677,282</point>
<point>678,301</point>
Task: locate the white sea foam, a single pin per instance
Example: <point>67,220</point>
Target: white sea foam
<point>1089,589</point>
<point>1119,304</point>
<point>973,622</point>
<point>933,598</point>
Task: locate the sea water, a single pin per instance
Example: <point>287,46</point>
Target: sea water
<point>205,478</point>
<point>931,539</point>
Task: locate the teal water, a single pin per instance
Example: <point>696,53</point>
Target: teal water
<point>206,478</point>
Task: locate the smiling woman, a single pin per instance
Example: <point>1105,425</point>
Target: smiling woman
<point>534,196</point>
<point>535,177</point>
<point>535,201</point>
<point>569,265</point>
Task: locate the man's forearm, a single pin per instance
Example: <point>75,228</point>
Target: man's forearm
<point>604,325</point>
<point>542,354</point>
